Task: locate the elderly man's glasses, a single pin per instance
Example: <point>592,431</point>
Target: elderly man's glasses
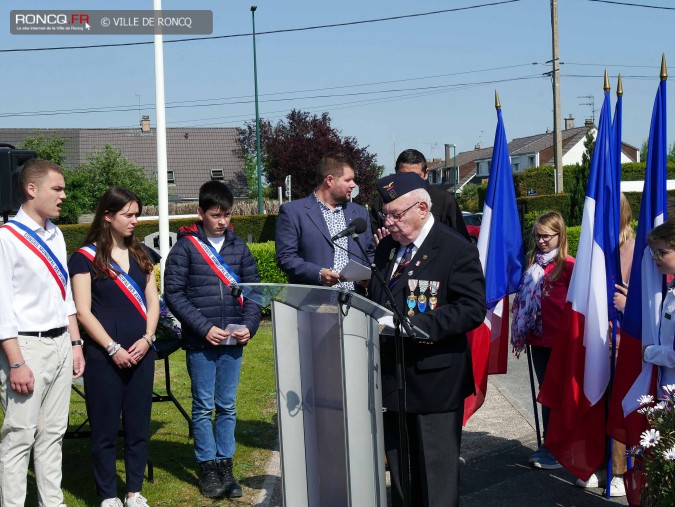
<point>397,215</point>
<point>659,253</point>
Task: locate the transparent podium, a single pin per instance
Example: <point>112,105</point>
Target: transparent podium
<point>327,362</point>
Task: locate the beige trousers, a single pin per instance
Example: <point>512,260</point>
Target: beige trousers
<point>37,421</point>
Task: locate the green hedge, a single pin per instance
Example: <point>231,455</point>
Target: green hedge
<point>260,227</point>
<point>635,171</point>
<point>264,254</point>
<point>538,204</point>
<point>635,199</point>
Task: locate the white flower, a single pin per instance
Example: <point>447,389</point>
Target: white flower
<point>661,405</point>
<point>649,438</point>
<point>670,453</point>
<point>646,399</point>
<point>669,389</point>
<point>644,410</point>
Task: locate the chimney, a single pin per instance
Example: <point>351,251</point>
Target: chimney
<point>569,122</point>
<point>447,155</point>
<point>477,147</point>
<point>145,123</point>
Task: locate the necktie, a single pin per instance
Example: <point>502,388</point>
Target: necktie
<point>405,260</point>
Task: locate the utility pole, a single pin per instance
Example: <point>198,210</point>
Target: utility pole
<point>557,116</point>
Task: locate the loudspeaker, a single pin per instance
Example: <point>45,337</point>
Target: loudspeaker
<point>11,165</point>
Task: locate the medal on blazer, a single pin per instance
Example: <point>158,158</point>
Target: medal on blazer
<point>422,299</point>
<point>433,288</point>
<point>412,300</point>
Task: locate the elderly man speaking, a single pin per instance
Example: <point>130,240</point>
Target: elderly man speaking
<point>436,278</point>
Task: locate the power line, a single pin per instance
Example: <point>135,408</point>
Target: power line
<point>233,101</point>
<point>631,4</point>
<point>269,32</point>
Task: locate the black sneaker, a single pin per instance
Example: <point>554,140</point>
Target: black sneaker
<point>230,485</point>
<point>209,482</point>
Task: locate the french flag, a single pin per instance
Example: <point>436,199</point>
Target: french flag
<point>578,371</point>
<point>500,246</point>
<point>645,291</point>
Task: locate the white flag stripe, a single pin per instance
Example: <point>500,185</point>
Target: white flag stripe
<point>484,236</point>
<point>652,282</point>
<point>588,294</point>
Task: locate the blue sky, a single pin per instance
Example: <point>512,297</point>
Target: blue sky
<point>409,55</point>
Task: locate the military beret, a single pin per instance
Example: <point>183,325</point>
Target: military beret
<point>395,185</point>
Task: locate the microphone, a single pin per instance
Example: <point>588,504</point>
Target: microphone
<point>357,226</point>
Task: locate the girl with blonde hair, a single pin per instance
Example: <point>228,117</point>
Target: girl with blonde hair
<point>537,307</point>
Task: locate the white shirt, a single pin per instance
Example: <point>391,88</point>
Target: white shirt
<point>417,243</point>
<point>32,300</point>
<point>216,242</point>
<point>662,352</point>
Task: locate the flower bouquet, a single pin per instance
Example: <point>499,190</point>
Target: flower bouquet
<point>168,327</point>
<point>655,456</point>
<point>168,332</point>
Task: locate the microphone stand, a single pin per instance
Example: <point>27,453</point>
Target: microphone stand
<point>400,320</point>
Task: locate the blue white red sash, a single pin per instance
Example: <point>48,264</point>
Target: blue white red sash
<point>126,284</point>
<point>36,245</point>
<point>217,264</point>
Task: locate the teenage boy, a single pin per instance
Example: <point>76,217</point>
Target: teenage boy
<point>207,258</point>
<point>39,338</point>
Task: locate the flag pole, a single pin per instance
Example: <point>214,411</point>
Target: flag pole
<point>534,396</point>
<point>608,471</point>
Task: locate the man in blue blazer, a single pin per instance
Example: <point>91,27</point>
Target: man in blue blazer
<point>304,250</point>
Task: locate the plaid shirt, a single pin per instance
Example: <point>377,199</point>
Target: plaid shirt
<point>335,220</point>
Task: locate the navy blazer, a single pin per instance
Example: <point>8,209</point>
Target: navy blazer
<point>303,245</point>
<point>438,371</point>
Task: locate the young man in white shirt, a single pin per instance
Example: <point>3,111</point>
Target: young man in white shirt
<point>39,337</point>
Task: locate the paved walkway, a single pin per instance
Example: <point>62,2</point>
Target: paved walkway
<point>496,445</point>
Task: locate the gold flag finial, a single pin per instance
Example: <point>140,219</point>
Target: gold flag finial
<point>619,87</point>
<point>606,87</point>
<point>498,105</point>
<point>664,69</point>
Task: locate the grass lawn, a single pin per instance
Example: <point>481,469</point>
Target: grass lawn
<point>171,450</point>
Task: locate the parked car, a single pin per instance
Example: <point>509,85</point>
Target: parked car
<point>472,222</point>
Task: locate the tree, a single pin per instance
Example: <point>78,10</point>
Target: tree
<point>52,149</point>
<point>589,145</point>
<point>467,198</point>
<point>104,169</point>
<point>296,144</point>
<point>577,190</point>
<point>644,150</point>
<point>251,174</point>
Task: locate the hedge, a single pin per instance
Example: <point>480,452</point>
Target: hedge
<point>264,255</point>
<point>540,203</point>
<point>635,171</point>
<point>260,227</point>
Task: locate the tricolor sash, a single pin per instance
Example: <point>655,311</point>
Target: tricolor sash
<point>217,263</point>
<point>125,282</point>
<point>36,245</point>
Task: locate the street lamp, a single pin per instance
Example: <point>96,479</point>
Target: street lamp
<point>257,117</point>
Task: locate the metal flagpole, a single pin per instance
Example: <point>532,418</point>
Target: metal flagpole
<point>534,395</point>
<point>162,181</point>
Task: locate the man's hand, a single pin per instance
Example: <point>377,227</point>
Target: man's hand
<point>78,361</point>
<point>329,277</point>
<point>379,234</point>
<point>216,335</point>
<point>242,336</point>
<point>21,379</point>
